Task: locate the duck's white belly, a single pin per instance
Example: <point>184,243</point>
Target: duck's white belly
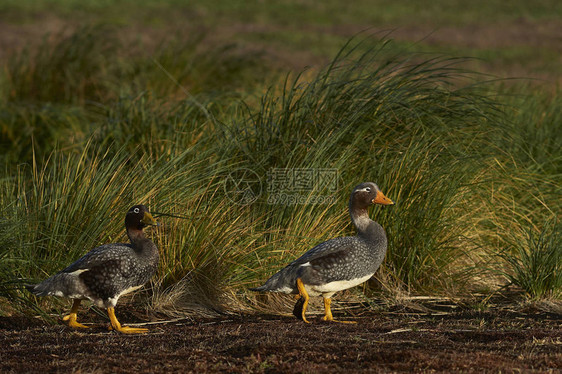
<point>329,289</point>
<point>113,300</point>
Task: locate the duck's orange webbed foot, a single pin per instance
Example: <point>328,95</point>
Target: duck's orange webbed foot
<point>115,325</point>
<point>72,316</point>
<point>328,312</point>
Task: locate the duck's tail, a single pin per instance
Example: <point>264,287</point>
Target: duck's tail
<point>282,281</point>
<point>36,290</point>
<point>260,288</point>
<point>61,284</point>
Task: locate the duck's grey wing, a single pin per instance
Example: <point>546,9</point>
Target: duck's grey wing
<point>317,266</point>
<point>326,249</point>
<point>91,276</point>
<point>113,270</point>
<point>99,256</point>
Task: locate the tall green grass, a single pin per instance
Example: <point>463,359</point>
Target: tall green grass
<point>457,161</point>
<point>95,82</point>
<point>80,67</point>
<point>394,118</point>
<point>75,202</point>
<point>535,263</point>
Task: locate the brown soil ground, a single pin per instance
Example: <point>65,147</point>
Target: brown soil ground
<point>399,341</point>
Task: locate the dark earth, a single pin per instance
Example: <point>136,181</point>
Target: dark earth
<point>469,340</point>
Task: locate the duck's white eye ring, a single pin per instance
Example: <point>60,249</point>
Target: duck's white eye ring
<point>136,210</point>
<point>368,189</point>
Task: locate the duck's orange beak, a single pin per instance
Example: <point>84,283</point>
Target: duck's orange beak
<point>148,220</point>
<point>381,199</point>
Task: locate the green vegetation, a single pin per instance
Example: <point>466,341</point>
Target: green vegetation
<point>535,264</point>
<point>93,122</point>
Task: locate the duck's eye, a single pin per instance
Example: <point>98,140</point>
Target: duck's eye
<point>368,189</point>
<point>136,210</point>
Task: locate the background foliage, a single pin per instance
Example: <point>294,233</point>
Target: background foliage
<point>146,107</point>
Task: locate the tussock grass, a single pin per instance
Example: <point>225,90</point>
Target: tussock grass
<point>534,263</point>
<point>60,210</point>
<point>390,118</point>
<point>95,65</point>
<point>28,130</point>
<point>459,164</point>
<point>72,68</point>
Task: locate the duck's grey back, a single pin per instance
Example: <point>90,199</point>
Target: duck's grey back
<point>337,259</point>
<point>102,273</point>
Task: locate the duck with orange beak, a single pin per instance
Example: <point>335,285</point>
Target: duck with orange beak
<point>336,264</point>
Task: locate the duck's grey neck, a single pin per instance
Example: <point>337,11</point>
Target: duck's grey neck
<point>368,229</point>
<point>138,239</point>
<point>360,218</point>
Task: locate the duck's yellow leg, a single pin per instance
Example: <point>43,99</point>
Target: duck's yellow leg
<point>328,312</point>
<point>304,295</point>
<point>71,318</point>
<point>124,329</point>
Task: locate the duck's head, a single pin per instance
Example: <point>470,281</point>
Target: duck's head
<point>138,217</point>
<point>366,194</point>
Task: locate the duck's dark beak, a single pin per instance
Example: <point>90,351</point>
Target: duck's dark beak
<point>381,199</point>
<point>148,220</point>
